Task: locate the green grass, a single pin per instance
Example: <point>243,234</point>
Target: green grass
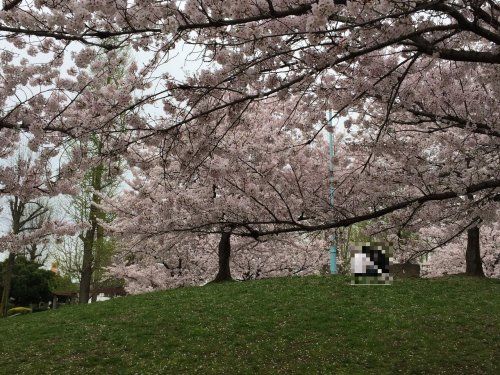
<point>287,326</point>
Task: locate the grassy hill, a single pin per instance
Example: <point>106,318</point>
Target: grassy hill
<point>290,325</point>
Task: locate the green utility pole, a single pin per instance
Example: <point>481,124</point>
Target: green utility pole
<point>333,248</point>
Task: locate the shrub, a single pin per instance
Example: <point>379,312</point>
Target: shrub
<point>30,283</point>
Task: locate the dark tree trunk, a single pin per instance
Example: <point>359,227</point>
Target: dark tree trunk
<point>224,273</point>
<point>86,274</point>
<point>16,210</point>
<point>7,282</point>
<point>97,255</point>
<point>89,238</point>
<point>473,263</point>
<point>32,255</point>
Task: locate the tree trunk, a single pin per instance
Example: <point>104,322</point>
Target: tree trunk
<point>86,274</point>
<point>16,210</point>
<point>7,282</point>
<point>89,238</point>
<point>32,249</point>
<point>473,263</point>
<point>98,249</point>
<point>224,273</point>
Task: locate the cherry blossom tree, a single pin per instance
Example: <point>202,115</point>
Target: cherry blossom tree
<point>246,176</point>
<point>406,67</point>
<point>427,145</point>
<point>193,260</point>
<point>38,252</point>
<point>256,50</point>
<point>25,180</point>
<point>450,259</point>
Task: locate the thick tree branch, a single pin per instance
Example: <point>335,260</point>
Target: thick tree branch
<point>430,49</point>
<point>434,197</point>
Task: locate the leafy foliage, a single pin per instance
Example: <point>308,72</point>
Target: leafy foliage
<point>31,283</point>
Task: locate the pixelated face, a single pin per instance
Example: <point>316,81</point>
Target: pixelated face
<point>370,264</point>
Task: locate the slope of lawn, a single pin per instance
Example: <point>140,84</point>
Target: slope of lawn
<point>290,325</point>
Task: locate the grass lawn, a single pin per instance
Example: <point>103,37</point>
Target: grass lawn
<point>289,326</point>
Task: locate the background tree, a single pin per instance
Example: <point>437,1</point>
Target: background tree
<point>68,256</point>
<point>30,283</point>
<point>39,252</point>
<point>97,247</point>
<point>25,181</point>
